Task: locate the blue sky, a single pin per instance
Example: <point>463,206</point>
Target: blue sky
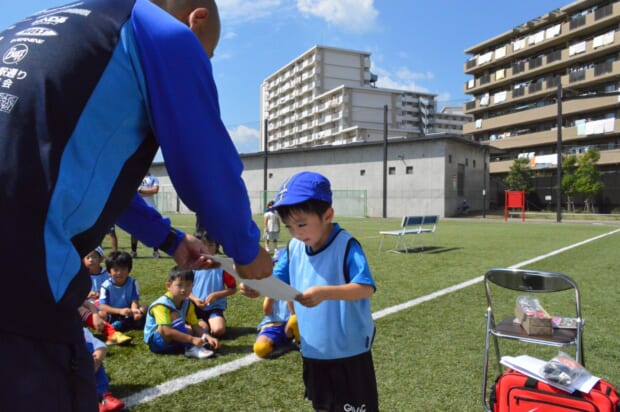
<point>414,44</point>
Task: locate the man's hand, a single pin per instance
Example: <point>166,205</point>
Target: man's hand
<point>189,255</point>
<point>261,267</point>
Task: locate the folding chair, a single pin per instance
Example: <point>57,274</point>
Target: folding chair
<point>410,225</point>
<point>526,282</point>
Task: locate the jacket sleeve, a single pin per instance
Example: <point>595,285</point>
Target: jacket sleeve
<point>200,157</point>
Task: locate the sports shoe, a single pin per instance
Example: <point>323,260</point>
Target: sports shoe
<point>156,255</point>
<point>198,353</point>
<point>109,403</point>
<point>118,338</point>
<point>134,254</point>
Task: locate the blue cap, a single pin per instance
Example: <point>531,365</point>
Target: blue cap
<point>99,250</point>
<point>301,187</point>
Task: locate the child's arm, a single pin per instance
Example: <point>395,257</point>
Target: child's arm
<point>206,336</point>
<point>111,310</point>
<point>268,306</point>
<point>199,303</point>
<point>136,310</point>
<point>170,333</point>
<point>98,322</point>
<point>350,291</point>
<point>212,297</point>
<point>230,289</point>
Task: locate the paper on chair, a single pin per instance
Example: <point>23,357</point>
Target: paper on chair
<point>271,286</point>
<point>531,367</point>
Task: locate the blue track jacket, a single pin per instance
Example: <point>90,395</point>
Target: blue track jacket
<point>88,92</point>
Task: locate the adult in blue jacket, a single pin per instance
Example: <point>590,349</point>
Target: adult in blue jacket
<point>89,91</point>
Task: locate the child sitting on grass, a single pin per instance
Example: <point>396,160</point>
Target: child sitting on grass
<point>278,329</point>
<point>107,402</point>
<point>165,330</point>
<point>119,299</point>
<point>211,290</point>
<point>89,311</point>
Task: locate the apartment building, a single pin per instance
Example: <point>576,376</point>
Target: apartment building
<point>451,119</point>
<point>514,84</point>
<point>328,96</point>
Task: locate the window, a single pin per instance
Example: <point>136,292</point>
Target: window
<point>409,170</point>
<point>391,170</point>
<point>449,158</point>
<point>363,172</point>
<point>460,180</point>
<point>474,163</point>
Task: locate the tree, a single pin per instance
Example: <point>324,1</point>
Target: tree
<point>521,176</point>
<point>581,176</point>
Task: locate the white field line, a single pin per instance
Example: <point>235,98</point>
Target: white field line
<point>422,299</point>
<point>177,384</point>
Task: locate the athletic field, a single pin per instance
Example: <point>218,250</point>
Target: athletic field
<point>430,316</point>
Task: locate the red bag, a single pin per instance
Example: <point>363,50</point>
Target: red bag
<point>515,392</point>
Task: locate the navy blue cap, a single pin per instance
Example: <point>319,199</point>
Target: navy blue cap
<point>301,187</point>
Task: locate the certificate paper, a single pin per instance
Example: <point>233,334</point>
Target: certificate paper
<point>270,286</point>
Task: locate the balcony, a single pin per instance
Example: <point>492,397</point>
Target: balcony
<point>540,114</point>
<point>594,48</point>
<point>602,72</point>
<point>584,24</point>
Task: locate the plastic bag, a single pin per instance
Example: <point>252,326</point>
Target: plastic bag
<point>563,369</point>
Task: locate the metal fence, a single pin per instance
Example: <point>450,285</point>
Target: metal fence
<point>349,203</point>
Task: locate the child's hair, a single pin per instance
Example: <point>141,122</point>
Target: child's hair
<point>181,274</point>
<point>270,203</point>
<point>203,235</point>
<point>312,206</point>
<point>119,259</point>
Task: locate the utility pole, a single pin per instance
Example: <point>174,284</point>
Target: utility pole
<point>385,157</point>
<point>265,161</point>
<point>558,189</point>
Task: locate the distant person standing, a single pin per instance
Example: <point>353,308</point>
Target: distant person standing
<point>147,189</point>
<point>271,224</point>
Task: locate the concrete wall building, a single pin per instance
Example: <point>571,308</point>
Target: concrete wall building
<point>426,175</point>
<point>327,96</point>
<point>514,84</point>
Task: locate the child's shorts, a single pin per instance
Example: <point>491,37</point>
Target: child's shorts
<point>208,314</point>
<point>276,333</point>
<point>272,235</point>
<point>341,384</point>
<point>158,345</point>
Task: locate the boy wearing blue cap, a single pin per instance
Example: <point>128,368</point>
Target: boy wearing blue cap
<point>335,321</point>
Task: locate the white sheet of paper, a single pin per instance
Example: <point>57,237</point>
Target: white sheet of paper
<point>531,367</point>
<point>270,287</point>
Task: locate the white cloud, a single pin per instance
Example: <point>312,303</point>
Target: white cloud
<point>403,79</point>
<point>246,139</point>
<point>406,74</point>
<point>229,35</point>
<point>352,15</point>
<point>238,11</point>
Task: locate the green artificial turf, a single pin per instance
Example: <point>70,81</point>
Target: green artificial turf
<point>428,357</point>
